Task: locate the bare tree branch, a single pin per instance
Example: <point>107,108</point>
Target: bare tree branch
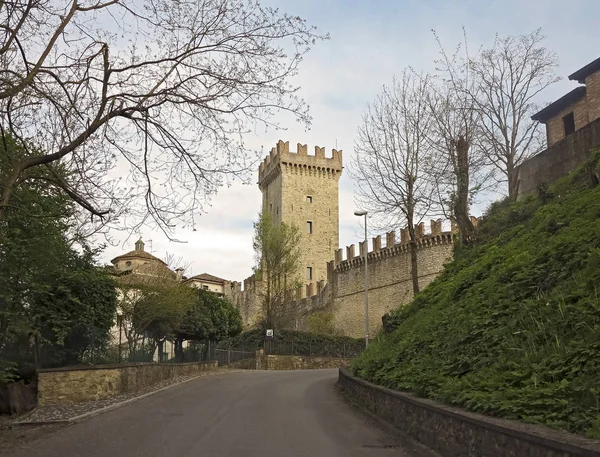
<point>392,156</point>
<point>76,78</point>
<point>509,76</point>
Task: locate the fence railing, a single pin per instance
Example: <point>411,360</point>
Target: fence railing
<point>226,357</point>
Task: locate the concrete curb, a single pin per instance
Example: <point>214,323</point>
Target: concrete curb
<point>105,409</point>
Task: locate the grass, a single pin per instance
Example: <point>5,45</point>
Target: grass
<point>511,328</point>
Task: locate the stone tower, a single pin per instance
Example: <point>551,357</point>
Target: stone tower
<point>302,189</point>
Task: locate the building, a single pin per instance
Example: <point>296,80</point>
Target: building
<point>572,130</point>
<point>576,109</point>
<point>139,265</point>
<point>141,262</point>
<point>302,189</point>
<point>208,282</point>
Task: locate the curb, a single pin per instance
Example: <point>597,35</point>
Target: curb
<point>105,409</point>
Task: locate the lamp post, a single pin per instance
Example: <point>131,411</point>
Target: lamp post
<point>366,248</point>
<point>120,321</point>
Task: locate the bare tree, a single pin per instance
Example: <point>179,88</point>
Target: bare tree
<point>460,164</point>
<point>143,99</point>
<point>509,76</point>
<point>392,156</point>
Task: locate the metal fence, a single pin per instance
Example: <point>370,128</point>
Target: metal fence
<point>49,356</point>
<point>226,357</point>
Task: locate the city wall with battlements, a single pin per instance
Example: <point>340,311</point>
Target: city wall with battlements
<point>342,294</point>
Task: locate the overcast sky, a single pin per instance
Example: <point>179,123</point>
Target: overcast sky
<point>370,43</point>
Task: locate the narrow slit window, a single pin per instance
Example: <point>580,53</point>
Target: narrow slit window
<point>569,123</point>
<point>309,227</point>
<point>309,273</point>
<point>309,199</point>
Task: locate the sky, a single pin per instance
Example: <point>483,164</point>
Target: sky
<point>370,43</point>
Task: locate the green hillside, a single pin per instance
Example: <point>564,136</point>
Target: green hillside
<point>512,326</point>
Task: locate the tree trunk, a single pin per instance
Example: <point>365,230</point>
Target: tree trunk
<point>179,350</point>
<point>414,264</point>
<point>414,261</point>
<point>461,205</point>
<point>513,183</point>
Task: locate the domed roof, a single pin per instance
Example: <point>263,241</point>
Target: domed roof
<point>137,253</point>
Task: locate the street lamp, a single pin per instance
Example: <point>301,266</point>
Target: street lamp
<point>120,321</point>
<point>366,248</point>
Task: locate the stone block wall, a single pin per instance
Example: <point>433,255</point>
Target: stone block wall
<point>297,362</point>
<point>81,384</point>
<point>592,84</point>
<point>390,282</point>
<point>559,159</point>
<point>343,292</point>
<point>555,128</point>
<point>454,432</point>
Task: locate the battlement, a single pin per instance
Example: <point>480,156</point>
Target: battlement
<point>353,258</point>
<point>435,237</point>
<point>280,156</point>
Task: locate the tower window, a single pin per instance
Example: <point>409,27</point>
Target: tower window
<point>309,199</point>
<point>309,273</point>
<point>271,207</point>
<point>309,227</point>
<point>569,123</point>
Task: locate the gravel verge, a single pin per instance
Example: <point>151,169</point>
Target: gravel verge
<point>56,414</point>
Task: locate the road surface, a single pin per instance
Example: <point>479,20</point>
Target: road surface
<point>246,414</point>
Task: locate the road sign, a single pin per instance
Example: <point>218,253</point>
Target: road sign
<point>270,332</point>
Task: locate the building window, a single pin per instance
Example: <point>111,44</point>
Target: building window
<point>128,264</point>
<point>271,207</point>
<point>309,199</point>
<point>277,211</point>
<point>205,287</point>
<point>308,226</point>
<point>569,123</point>
<point>309,273</point>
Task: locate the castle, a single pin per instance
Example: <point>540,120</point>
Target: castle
<point>302,189</point>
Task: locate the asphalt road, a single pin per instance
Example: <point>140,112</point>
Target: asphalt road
<point>254,413</point>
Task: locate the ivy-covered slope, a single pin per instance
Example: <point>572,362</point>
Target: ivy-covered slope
<point>511,328</point>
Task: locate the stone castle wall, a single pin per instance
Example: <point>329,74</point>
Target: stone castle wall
<point>390,281</point>
<point>342,293</point>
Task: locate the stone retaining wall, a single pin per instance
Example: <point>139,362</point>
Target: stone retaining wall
<point>558,160</point>
<point>80,384</point>
<point>454,432</point>
<point>298,362</point>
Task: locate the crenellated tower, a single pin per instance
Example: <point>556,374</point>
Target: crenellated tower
<point>302,189</point>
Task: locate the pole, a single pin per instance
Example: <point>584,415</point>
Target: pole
<point>366,247</point>
<point>120,337</point>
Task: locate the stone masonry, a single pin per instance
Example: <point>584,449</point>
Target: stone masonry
<point>302,189</point>
<point>389,275</point>
<point>299,188</point>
